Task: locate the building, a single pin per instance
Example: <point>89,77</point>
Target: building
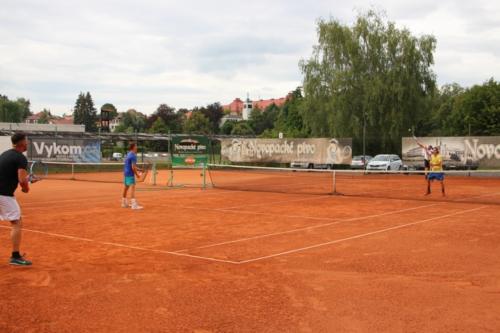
<point>237,106</point>
<point>64,120</point>
<point>34,119</point>
<point>113,124</point>
<point>239,110</point>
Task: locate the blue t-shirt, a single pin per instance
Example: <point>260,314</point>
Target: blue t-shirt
<point>129,160</point>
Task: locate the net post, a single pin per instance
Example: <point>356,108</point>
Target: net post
<point>334,182</point>
<point>170,181</point>
<point>153,176</point>
<point>72,171</point>
<point>203,172</point>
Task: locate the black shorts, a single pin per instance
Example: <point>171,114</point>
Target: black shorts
<point>427,164</point>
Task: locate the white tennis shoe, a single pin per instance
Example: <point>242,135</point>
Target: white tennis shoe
<point>135,205</point>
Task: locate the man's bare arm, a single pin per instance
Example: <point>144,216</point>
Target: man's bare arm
<point>22,176</point>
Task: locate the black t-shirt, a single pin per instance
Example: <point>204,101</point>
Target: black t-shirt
<point>10,162</point>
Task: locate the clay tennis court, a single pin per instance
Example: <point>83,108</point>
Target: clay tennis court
<point>217,260</point>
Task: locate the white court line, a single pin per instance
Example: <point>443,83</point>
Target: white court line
<point>123,245</point>
<point>335,221</point>
<point>118,197</point>
<point>358,236</point>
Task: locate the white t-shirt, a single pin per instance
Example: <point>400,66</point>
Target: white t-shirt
<point>427,153</point>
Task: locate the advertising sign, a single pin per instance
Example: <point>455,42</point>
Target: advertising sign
<point>65,150</point>
<point>189,151</point>
<point>458,152</point>
<point>317,151</point>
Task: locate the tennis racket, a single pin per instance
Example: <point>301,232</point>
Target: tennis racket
<point>38,171</point>
<point>144,170</point>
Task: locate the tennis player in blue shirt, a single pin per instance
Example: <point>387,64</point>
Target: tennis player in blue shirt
<point>130,171</point>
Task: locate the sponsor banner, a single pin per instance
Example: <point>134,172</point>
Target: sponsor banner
<point>5,143</point>
<point>317,151</point>
<point>65,150</point>
<point>457,152</point>
<point>189,151</point>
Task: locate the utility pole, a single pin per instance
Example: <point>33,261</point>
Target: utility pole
<point>364,137</point>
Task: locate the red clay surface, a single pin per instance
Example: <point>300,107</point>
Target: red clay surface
<point>226,261</point>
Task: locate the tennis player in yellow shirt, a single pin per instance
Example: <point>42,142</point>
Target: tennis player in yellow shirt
<point>436,173</point>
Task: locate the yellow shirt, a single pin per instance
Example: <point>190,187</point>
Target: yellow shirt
<point>436,162</point>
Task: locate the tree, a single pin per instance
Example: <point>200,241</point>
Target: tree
<point>85,113</point>
<point>290,118</point>
<point>25,106</point>
<point>263,120</point>
<point>10,112</point>
<point>45,117</point>
<point>370,73</point>
<point>242,128</point>
<point>133,121</point>
<point>214,113</point>
<point>172,120</point>
<point>14,111</point>
<point>227,128</point>
<point>475,111</point>
<point>159,126</point>
<point>198,124</point>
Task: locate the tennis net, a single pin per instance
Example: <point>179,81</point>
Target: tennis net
<point>93,172</point>
<point>461,186</point>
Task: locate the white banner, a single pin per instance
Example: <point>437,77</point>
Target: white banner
<point>317,151</point>
<point>457,152</point>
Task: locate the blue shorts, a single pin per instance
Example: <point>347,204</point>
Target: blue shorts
<point>129,180</point>
<point>436,176</point>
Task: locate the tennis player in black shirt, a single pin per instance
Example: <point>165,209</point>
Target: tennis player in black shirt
<point>13,171</point>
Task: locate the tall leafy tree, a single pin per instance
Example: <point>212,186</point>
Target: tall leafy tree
<point>214,113</point>
<point>475,111</point>
<point>198,124</point>
<point>369,73</point>
<point>242,128</point>
<point>85,112</point>
<point>171,119</point>
<point>14,111</point>
<point>45,117</point>
<point>227,128</point>
<point>159,126</point>
<point>25,107</point>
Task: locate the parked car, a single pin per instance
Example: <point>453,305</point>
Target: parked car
<point>309,165</point>
<point>116,157</point>
<point>360,161</point>
<point>385,162</point>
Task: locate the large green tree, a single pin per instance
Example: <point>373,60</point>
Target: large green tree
<point>214,114</point>
<point>198,123</point>
<point>474,111</point>
<point>262,120</point>
<point>159,127</point>
<point>45,117</point>
<point>85,112</point>
<point>171,119</point>
<point>242,128</point>
<point>369,73</point>
<point>14,111</point>
<point>132,121</point>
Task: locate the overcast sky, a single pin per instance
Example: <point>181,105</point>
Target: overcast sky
<point>138,54</point>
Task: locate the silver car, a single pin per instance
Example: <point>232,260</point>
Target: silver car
<point>360,161</point>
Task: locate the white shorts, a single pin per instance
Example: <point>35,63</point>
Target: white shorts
<point>9,209</point>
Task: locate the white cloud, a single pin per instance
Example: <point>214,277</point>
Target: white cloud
<point>143,53</point>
